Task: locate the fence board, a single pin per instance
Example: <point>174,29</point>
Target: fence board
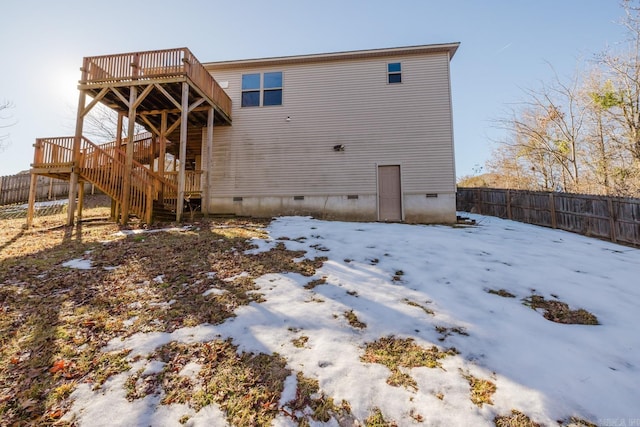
<point>15,189</point>
<point>611,218</point>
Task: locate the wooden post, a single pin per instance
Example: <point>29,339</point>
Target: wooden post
<point>508,204</point>
<point>183,149</point>
<point>80,199</point>
<point>77,144</point>
<point>117,210</point>
<point>119,131</point>
<point>128,166</point>
<point>612,220</point>
<point>206,163</point>
<point>149,205</point>
<point>552,211</point>
<point>32,199</point>
<point>163,143</point>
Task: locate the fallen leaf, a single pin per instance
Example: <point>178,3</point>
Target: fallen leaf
<point>55,414</point>
<point>58,366</point>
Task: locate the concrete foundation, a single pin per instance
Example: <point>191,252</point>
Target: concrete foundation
<point>417,208</point>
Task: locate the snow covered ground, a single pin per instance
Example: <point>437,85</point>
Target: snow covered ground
<point>388,274</point>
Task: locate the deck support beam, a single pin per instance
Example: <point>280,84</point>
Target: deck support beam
<point>128,166</point>
<point>183,150</point>
<point>206,156</point>
<point>33,186</point>
<point>80,199</point>
<point>163,143</point>
<point>77,143</point>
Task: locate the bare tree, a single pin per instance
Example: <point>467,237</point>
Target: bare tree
<point>101,124</point>
<point>622,67</point>
<point>580,134</point>
<point>543,138</point>
<point>5,122</point>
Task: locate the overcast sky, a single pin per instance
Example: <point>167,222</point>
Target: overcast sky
<point>506,46</point>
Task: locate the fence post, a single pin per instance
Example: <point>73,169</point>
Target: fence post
<point>552,211</point>
<point>508,204</point>
<point>612,220</point>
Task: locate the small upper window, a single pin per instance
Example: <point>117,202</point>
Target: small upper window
<point>251,90</point>
<point>272,89</point>
<point>394,72</point>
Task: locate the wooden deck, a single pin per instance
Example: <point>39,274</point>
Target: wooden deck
<point>169,93</point>
<point>165,69</point>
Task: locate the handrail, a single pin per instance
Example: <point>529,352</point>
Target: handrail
<point>146,65</point>
<point>146,185</point>
<point>105,168</point>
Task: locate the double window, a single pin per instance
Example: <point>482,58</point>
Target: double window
<point>262,89</point>
<point>394,72</point>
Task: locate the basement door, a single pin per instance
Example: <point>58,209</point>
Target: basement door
<point>389,193</point>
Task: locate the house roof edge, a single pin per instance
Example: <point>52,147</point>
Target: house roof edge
<point>451,48</point>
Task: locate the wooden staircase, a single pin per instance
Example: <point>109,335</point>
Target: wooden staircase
<point>105,166</point>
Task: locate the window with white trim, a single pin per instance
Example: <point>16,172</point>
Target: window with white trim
<point>394,72</point>
<point>262,89</point>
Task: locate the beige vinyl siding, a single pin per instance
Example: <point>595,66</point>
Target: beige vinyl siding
<point>340,102</point>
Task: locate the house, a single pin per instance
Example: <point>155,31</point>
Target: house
<point>361,135</point>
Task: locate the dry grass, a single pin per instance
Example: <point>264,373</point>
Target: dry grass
<point>54,320</point>
<point>516,419</point>
<point>376,419</point>
<point>353,320</point>
<point>300,342</point>
<point>447,332</point>
<point>424,308</point>
<point>481,390</point>
<point>396,353</point>
<point>312,404</point>
<point>501,292</point>
<point>316,282</point>
<point>559,312</point>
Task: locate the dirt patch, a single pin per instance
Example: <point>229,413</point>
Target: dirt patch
<point>559,312</point>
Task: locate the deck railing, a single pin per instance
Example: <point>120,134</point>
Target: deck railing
<point>138,66</point>
<point>143,147</point>
<point>53,152</point>
<point>192,181</point>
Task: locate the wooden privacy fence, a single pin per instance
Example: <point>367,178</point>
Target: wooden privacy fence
<point>15,189</point>
<point>613,218</point>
